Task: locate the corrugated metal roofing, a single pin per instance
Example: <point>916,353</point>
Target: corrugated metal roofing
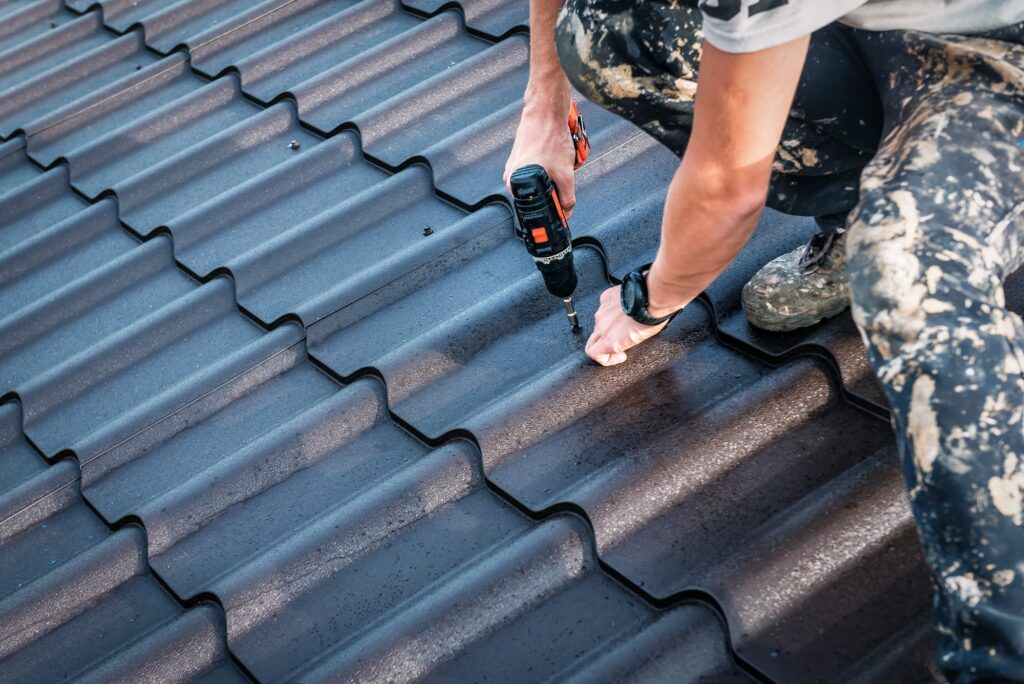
<point>491,18</point>
<point>78,600</point>
<point>340,546</point>
<point>441,487</point>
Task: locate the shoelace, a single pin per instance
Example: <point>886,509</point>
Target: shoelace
<point>817,247</point>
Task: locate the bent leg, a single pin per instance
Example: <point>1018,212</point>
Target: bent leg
<point>640,60</point>
<point>939,225</point>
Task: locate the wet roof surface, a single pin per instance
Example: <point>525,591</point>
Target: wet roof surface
<point>257,424</point>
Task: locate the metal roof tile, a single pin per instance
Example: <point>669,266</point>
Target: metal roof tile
<point>13,169</point>
<point>22,22</point>
<point>71,79</point>
<point>100,332</point>
<point>492,18</point>
<point>77,601</point>
<point>34,205</point>
<point>287,57</point>
<point>168,25</point>
<point>333,97</point>
<point>329,533</point>
<point>91,117</point>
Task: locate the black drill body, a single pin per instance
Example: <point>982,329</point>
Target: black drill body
<point>544,229</point>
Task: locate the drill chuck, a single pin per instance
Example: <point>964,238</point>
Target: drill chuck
<point>544,229</point>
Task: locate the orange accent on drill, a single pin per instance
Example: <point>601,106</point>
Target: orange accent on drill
<point>543,226</point>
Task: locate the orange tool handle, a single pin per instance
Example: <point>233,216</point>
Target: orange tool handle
<point>578,130</point>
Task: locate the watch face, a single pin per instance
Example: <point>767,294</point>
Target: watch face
<point>631,294</point>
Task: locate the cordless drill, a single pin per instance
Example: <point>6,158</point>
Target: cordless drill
<point>542,223</point>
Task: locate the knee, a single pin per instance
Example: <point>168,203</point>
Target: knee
<point>587,53</point>
<point>890,288</point>
<point>615,59</point>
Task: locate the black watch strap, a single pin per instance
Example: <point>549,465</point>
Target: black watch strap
<point>634,299</point>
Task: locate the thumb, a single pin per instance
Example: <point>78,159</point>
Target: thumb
<point>566,183</point>
<point>612,359</point>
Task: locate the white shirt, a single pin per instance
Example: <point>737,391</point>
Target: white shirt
<point>749,25</point>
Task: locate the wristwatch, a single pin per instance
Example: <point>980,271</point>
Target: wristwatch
<point>634,299</point>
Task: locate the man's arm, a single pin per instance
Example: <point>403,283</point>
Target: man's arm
<point>542,137</point>
<point>717,194</point>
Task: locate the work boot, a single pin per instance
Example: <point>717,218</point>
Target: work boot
<point>802,287</point>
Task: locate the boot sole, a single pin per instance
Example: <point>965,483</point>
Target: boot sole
<point>791,323</point>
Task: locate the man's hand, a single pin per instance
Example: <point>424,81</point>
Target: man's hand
<point>615,332</point>
<point>543,135</point>
<point>543,138</point>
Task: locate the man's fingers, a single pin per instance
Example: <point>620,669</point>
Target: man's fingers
<point>595,346</point>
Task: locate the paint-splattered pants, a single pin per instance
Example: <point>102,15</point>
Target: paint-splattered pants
<point>919,137</point>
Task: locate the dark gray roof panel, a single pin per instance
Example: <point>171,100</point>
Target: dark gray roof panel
<point>186,152</point>
<point>387,241</point>
<point>137,373</point>
<point>91,117</point>
<point>49,259</point>
<point>99,335</point>
<point>48,530</point>
<point>19,462</point>
<point>69,80</point>
<point>14,170</point>
<point>335,96</point>
<point>493,18</point>
<point>285,221</point>
<point>334,540</point>
<point>446,103</point>
<point>281,55</point>
<point>842,573</point>
<point>24,21</point>
<point>172,186</point>
<point>182,22</point>
<point>246,219</point>
<point>838,338</point>
<point>414,88</point>
<point>137,145</point>
<point>524,608</point>
<point>680,643</point>
<point>321,230</point>
<point>77,602</point>
<point>33,203</point>
<point>22,59</point>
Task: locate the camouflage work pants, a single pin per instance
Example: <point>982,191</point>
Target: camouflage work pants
<point>919,137</point>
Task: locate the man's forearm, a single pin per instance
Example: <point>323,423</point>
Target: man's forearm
<point>720,188</point>
<point>700,237</point>
<point>547,84</point>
